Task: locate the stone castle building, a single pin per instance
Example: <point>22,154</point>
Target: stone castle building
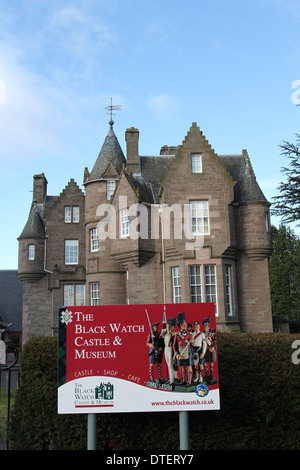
<point>187,225</point>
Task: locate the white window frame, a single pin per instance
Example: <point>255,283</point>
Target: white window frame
<point>210,284</point>
<point>31,252</point>
<point>195,277</point>
<point>110,188</point>
<point>75,214</point>
<point>199,217</point>
<point>71,214</point>
<point>95,293</point>
<point>176,285</point>
<point>124,223</point>
<point>196,160</point>
<point>228,290</point>
<point>74,294</point>
<point>71,252</point>
<point>94,239</point>
<point>68,214</point>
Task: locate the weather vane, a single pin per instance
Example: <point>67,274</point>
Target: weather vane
<point>112,108</point>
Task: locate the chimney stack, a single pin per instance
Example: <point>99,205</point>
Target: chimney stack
<point>39,188</point>
<point>132,150</point>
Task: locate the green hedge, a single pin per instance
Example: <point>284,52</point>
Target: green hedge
<point>259,394</point>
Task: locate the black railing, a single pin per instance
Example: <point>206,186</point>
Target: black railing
<point>9,380</point>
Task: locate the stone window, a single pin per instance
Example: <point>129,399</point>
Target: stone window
<point>71,214</point>
<point>74,294</point>
<point>199,217</point>
<point>95,293</point>
<point>176,286</point>
<point>94,239</point>
<point>124,223</point>
<point>71,251</point>
<point>196,159</point>
<point>195,284</point>
<point>31,252</point>
<point>228,297</point>
<point>110,188</point>
<point>210,284</point>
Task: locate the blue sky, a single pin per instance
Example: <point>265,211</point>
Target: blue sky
<point>228,65</point>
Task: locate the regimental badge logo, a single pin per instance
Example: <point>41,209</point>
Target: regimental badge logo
<point>66,317</point>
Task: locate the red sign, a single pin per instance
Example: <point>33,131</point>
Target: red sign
<point>109,351</point>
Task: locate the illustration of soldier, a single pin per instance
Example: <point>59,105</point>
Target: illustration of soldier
<point>155,343</point>
<point>183,349</point>
<point>169,336</point>
<point>210,339</point>
<point>199,349</point>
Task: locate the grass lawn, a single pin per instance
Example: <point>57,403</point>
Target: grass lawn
<point>3,408</point>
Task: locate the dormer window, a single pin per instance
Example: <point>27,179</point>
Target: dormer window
<point>196,159</point>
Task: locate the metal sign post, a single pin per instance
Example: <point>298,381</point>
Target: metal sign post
<point>92,432</point>
<point>184,434</point>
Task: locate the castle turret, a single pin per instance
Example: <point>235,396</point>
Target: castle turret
<point>32,247</point>
<point>100,185</point>
<point>254,248</point>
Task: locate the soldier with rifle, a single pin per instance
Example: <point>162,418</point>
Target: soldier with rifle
<point>155,343</point>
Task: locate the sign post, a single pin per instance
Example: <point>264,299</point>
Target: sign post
<point>92,432</point>
<point>138,358</point>
<point>184,433</point>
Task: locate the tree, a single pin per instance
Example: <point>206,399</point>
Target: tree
<point>287,204</point>
<point>284,272</point>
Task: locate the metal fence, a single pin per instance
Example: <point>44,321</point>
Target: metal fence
<point>9,380</point>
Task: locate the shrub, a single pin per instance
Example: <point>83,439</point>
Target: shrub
<point>259,395</point>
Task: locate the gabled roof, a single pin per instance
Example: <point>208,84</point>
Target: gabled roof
<point>110,152</point>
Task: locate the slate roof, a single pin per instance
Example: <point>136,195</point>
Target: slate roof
<point>35,227</point>
<point>152,171</point>
<point>110,152</point>
<point>11,292</point>
<point>246,188</point>
<point>154,168</point>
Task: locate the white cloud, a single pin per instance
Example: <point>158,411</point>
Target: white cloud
<point>163,106</point>
<point>32,117</point>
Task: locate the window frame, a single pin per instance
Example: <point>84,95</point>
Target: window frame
<point>75,294</point>
<point>72,254</point>
<point>176,285</point>
<point>195,296</point>
<point>199,217</point>
<point>196,165</point>
<point>124,223</point>
<point>110,190</point>
<point>71,214</point>
<point>209,295</point>
<point>94,240</point>
<point>31,251</point>
<point>95,288</point>
<point>228,289</point>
